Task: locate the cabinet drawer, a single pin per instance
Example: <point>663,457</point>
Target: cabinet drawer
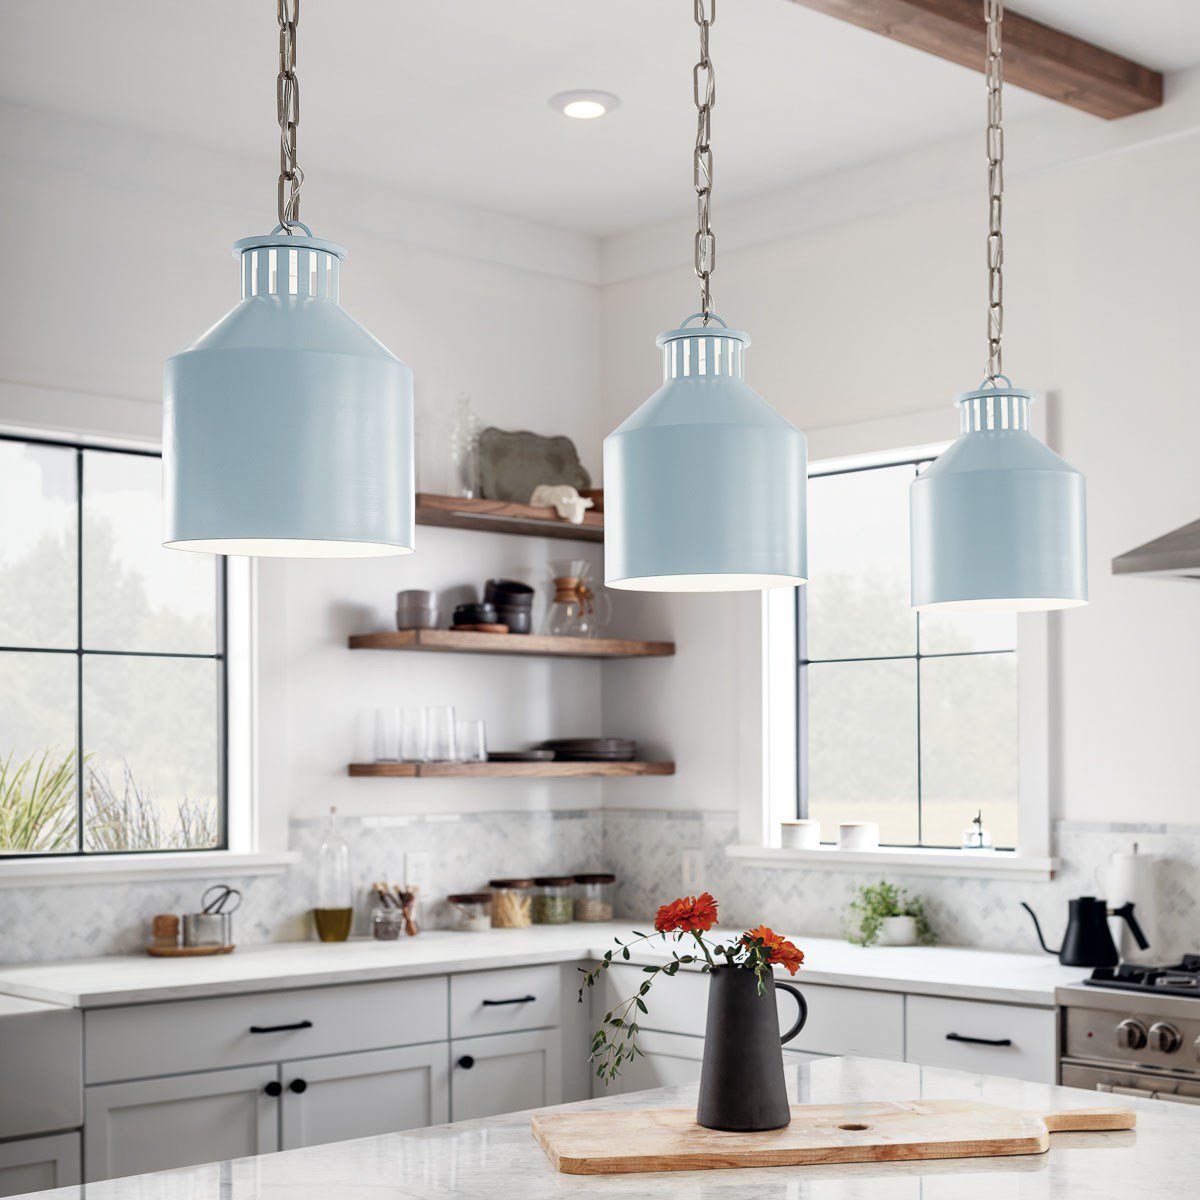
<point>840,1020</point>
<point>140,1041</point>
<point>485,1002</point>
<point>1007,1039</point>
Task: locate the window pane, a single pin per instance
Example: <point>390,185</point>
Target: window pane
<point>136,595</point>
<point>37,545</point>
<point>37,752</point>
<point>862,747</point>
<point>150,728</point>
<point>954,633</point>
<point>969,747</point>
<point>857,595</point>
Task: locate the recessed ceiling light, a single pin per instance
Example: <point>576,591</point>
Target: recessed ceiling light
<point>584,106</point>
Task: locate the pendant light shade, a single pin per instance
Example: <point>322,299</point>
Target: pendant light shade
<point>288,429</point>
<point>998,521</point>
<point>705,483</point>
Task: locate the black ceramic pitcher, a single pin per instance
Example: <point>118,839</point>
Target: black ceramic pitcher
<point>741,1082</point>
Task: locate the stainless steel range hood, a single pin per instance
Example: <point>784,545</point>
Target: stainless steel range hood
<point>1175,555</point>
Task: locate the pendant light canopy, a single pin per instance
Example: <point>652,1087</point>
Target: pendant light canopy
<point>287,428</point>
<point>998,522</point>
<point>704,485</point>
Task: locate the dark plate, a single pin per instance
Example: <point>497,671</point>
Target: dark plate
<point>599,745</point>
<point>520,756</point>
<point>584,756</point>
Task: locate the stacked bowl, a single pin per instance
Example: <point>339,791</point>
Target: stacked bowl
<point>513,602</point>
<point>416,609</point>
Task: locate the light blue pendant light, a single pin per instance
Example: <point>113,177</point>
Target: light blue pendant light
<point>287,428</point>
<point>998,522</point>
<point>704,485</point>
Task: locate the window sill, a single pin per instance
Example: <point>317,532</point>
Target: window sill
<point>972,863</point>
<point>118,868</point>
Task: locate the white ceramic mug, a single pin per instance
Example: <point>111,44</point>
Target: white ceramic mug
<point>858,835</point>
<point>800,835</point>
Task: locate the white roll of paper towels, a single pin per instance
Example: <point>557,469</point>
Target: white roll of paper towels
<point>1134,877</point>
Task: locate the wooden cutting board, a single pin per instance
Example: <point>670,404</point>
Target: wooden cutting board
<point>668,1139</point>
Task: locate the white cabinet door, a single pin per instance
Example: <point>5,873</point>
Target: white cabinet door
<point>670,1060</point>
<point>39,1163</point>
<point>156,1124</point>
<point>359,1095</point>
<point>507,1072</point>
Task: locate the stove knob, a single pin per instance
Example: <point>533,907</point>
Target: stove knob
<point>1131,1034</point>
<point>1164,1038</point>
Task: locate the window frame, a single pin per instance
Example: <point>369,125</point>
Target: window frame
<point>855,467</point>
<point>79,447</point>
<point>765,635</point>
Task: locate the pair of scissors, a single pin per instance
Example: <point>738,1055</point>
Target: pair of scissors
<point>224,893</point>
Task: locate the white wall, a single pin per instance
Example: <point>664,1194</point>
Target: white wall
<point>865,298</point>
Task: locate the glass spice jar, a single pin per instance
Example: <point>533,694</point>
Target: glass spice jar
<point>512,903</point>
<point>471,911</point>
<point>387,924</point>
<point>594,897</point>
<point>553,905</point>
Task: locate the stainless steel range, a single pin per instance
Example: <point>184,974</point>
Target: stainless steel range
<point>1134,1030</point>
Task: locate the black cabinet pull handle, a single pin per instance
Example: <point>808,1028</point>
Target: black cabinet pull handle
<point>514,1000</point>
<point>280,1028</point>
<point>961,1037</point>
<point>274,1088</point>
<point>466,1062</point>
<point>298,1086</point>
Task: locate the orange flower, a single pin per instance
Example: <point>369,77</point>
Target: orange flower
<point>776,947</point>
<point>689,913</point>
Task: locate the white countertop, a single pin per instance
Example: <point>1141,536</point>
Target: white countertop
<point>480,1160</point>
<point>139,979</point>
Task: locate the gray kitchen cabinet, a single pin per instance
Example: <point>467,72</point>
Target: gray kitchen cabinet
<point>670,1060</point>
<point>505,1072</point>
<point>358,1095</point>
<point>39,1163</point>
<point>178,1121</point>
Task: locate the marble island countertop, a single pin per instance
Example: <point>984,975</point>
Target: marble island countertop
<point>137,979</point>
<point>480,1160</point>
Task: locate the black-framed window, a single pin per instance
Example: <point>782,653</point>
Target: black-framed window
<point>112,661</point>
<point>908,719</point>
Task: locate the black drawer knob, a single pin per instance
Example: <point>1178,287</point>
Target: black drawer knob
<point>274,1088</point>
<point>466,1062</point>
<point>298,1086</point>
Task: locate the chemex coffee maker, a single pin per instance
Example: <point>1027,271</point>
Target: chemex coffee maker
<point>1088,941</point>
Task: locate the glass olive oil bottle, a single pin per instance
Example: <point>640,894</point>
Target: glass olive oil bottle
<point>334,913</point>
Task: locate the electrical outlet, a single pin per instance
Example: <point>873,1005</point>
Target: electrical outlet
<point>691,869</point>
<point>417,869</point>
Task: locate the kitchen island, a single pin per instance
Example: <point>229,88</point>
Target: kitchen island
<point>479,1160</point>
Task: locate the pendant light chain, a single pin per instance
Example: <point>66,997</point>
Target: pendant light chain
<point>287,104</point>
<point>704,93</point>
<point>994,73</point>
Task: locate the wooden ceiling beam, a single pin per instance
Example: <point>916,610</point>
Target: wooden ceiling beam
<point>1036,57</point>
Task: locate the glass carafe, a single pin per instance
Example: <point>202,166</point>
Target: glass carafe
<point>334,911</point>
<point>464,449</point>
<point>580,607</point>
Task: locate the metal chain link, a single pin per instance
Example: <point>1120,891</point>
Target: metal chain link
<point>287,105</point>
<point>704,93</point>
<point>993,11</point>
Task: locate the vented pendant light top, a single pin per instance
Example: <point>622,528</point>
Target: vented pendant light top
<point>704,484</point>
<point>998,521</point>
<point>287,427</point>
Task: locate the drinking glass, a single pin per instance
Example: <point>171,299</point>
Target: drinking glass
<point>470,741</point>
<point>387,734</point>
<point>413,735</point>
<point>439,733</point>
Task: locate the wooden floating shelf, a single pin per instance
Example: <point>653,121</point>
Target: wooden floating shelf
<point>452,641</point>
<point>508,770</point>
<point>502,516</point>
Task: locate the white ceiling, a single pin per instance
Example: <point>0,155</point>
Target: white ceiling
<point>447,98</point>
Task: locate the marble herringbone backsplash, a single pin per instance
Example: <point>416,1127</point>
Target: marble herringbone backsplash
<point>642,846</point>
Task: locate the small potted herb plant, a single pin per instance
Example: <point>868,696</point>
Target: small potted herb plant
<point>886,914</point>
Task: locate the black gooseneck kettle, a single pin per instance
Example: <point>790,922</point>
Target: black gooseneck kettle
<point>1088,941</point>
